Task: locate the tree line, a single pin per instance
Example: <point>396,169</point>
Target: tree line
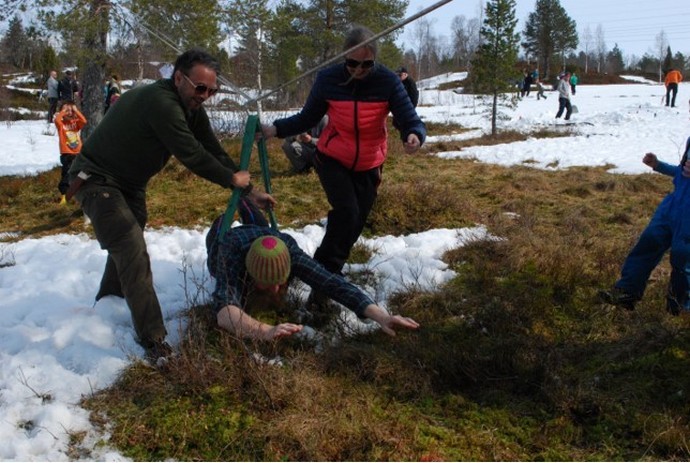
<point>261,46</point>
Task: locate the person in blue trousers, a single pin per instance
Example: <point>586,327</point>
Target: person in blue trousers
<point>668,228</point>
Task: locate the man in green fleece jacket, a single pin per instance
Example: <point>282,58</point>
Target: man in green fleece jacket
<point>132,143</point>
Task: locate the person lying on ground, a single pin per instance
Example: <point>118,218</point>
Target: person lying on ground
<point>253,258</point>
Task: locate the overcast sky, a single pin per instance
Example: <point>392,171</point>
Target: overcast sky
<point>633,24</point>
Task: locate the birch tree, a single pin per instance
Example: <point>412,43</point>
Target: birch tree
<point>660,45</point>
<point>600,48</point>
<point>587,42</point>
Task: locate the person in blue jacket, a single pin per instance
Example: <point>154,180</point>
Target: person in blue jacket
<point>357,96</point>
<point>668,228</point>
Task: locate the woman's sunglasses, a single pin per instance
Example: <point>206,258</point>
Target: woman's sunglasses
<point>201,89</point>
<point>353,63</point>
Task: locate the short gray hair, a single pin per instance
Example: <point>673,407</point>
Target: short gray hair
<point>359,34</point>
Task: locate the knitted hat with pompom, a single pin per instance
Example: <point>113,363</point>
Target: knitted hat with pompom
<point>268,261</point>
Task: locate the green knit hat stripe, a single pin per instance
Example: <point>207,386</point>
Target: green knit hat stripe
<point>268,261</point>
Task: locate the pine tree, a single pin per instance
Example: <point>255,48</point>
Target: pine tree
<point>494,65</point>
<point>14,44</point>
<point>47,61</point>
<point>327,21</point>
<point>668,60</point>
<point>614,60</point>
<point>196,24</point>
<point>548,31</point>
<point>304,34</point>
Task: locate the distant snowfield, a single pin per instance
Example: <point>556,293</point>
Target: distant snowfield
<point>615,125</point>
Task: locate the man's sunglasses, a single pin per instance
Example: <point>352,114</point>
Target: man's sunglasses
<point>201,89</point>
<point>353,63</point>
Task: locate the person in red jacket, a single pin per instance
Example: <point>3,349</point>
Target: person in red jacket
<point>357,96</point>
<point>673,78</point>
<point>69,122</point>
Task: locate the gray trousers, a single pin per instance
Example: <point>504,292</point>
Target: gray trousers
<point>118,220</point>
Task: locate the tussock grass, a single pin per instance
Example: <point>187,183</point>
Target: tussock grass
<point>12,98</point>
<point>515,360</point>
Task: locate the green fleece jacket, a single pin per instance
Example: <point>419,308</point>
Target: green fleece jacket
<point>142,130</point>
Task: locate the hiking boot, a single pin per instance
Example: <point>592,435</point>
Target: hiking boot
<point>159,354</point>
<point>619,298</point>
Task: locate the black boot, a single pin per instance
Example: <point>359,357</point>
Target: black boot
<point>158,354</point>
<point>619,298</point>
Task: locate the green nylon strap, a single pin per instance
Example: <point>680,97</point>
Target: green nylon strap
<point>263,160</point>
<point>250,130</point>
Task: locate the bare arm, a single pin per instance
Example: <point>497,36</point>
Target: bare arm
<point>237,321</point>
<point>387,321</point>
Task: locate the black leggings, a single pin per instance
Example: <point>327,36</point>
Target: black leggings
<point>66,162</point>
<point>351,196</point>
<point>564,104</point>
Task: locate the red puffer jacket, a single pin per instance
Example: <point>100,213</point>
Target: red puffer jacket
<point>356,134</point>
<point>357,110</point>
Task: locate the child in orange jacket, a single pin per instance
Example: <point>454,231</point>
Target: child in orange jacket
<point>69,122</point>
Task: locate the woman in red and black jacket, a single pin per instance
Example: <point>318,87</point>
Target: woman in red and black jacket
<point>357,96</point>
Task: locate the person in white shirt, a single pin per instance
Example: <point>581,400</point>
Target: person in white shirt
<point>564,97</point>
